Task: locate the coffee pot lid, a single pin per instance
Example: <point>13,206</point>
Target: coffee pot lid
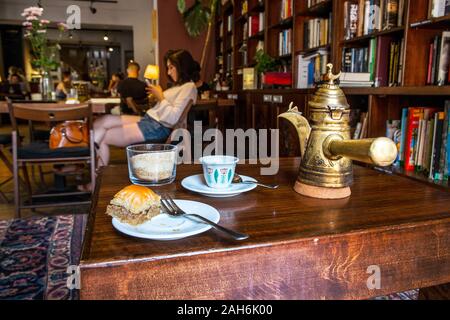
<point>328,93</point>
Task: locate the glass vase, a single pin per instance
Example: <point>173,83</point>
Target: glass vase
<point>46,85</point>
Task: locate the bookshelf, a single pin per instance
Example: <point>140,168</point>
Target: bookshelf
<point>408,34</point>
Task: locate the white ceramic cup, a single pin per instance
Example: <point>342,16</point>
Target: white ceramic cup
<point>218,170</point>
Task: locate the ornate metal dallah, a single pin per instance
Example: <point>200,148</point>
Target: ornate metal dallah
<point>326,147</point>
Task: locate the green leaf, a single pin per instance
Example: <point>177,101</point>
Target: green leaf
<point>181,4</point>
<point>196,19</point>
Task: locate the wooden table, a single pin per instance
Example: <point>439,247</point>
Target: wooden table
<point>299,248</point>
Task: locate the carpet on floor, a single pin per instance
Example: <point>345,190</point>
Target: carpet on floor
<point>35,254</point>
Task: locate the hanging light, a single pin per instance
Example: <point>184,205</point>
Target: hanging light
<point>105,37</point>
<point>111,49</point>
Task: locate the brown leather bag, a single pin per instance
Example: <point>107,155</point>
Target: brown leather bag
<point>69,134</point>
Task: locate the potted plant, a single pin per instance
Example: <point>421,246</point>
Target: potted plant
<point>264,65</point>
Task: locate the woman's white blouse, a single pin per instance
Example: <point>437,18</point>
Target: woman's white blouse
<point>169,110</point>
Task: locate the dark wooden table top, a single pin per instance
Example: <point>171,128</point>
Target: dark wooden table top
<point>384,213</point>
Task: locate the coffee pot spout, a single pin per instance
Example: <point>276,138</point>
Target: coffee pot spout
<point>301,125</point>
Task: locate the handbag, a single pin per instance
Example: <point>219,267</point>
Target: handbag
<point>69,134</point>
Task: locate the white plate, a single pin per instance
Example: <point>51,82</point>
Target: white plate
<point>196,183</point>
<point>165,227</point>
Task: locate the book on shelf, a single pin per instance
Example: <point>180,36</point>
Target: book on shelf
<point>316,33</point>
<point>285,42</point>
<point>256,24</point>
<point>286,9</point>
<point>394,132</point>
<point>361,131</point>
<point>363,17</point>
<point>311,67</point>
<point>249,78</point>
<point>438,8</point>
<point>244,7</point>
<point>230,23</point>
<point>355,79</point>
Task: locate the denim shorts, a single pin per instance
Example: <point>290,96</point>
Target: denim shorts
<point>152,130</point>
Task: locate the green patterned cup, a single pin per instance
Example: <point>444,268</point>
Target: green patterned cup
<point>218,170</point>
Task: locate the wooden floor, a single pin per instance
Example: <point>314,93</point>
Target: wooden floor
<point>7,210</point>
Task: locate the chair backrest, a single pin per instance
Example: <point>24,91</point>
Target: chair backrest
<point>48,112</point>
<point>182,121</point>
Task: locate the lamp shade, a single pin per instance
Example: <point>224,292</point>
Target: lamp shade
<point>151,72</point>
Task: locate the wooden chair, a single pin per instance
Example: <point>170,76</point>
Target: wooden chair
<point>40,153</point>
<point>182,121</point>
<point>5,142</point>
<point>185,144</point>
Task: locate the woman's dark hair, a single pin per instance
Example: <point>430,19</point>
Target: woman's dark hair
<point>187,68</point>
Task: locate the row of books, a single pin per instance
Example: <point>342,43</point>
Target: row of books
<point>316,33</point>
<point>380,64</point>
<point>424,140</point>
<point>311,67</point>
<point>438,72</point>
<point>256,24</point>
<point>286,9</point>
<point>438,8</point>
<point>285,42</point>
<point>362,17</point>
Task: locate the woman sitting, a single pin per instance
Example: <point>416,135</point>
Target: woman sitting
<point>63,88</point>
<point>121,131</point>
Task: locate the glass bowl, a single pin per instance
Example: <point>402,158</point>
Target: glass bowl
<point>152,164</point>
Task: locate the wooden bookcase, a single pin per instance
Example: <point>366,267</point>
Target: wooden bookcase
<point>258,107</point>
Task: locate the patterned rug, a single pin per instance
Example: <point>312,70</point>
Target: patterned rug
<point>35,254</point>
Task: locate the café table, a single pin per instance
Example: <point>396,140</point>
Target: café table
<point>391,227</point>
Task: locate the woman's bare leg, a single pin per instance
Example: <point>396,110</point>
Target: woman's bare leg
<point>121,136</point>
<point>107,122</point>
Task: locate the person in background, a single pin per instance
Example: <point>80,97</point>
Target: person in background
<point>114,83</point>
<point>202,86</point>
<point>132,87</point>
<point>25,84</point>
<point>63,87</point>
<point>121,131</point>
<point>15,86</point>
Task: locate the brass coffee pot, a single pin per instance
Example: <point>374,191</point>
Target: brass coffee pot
<point>326,147</point>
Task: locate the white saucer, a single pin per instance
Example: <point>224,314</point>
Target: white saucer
<point>196,183</point>
<point>166,227</point>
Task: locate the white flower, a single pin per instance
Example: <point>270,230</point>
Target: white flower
<point>32,18</point>
<point>42,31</point>
<point>27,24</point>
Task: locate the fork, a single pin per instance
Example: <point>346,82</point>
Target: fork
<point>173,210</point>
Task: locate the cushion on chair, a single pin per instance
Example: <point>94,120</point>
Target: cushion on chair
<point>42,151</point>
<point>5,139</point>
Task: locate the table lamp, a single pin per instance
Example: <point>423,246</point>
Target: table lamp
<point>151,74</point>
